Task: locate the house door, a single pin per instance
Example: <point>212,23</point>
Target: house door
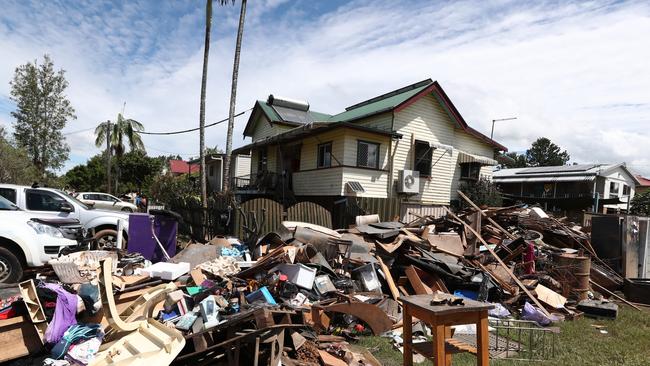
<point>290,163</point>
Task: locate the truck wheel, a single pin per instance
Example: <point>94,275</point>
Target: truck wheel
<point>11,270</point>
<point>127,209</point>
<point>106,238</point>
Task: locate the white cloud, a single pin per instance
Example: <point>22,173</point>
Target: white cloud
<point>576,73</point>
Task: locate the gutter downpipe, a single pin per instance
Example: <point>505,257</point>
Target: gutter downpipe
<point>389,189</point>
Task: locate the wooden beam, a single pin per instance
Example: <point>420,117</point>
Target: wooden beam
<point>419,287</point>
<point>613,294</point>
<point>510,236</point>
<point>389,278</point>
<point>512,275</point>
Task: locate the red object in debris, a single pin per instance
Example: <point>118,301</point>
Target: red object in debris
<point>359,328</point>
<point>283,277</point>
<point>529,258</point>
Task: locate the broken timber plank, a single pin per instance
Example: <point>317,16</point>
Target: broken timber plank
<point>512,275</point>
<point>389,278</point>
<point>419,287</point>
<point>510,236</point>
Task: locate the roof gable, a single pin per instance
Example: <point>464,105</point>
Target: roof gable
<point>395,101</point>
<point>262,108</point>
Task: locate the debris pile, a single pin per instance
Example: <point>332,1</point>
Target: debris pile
<point>305,293</point>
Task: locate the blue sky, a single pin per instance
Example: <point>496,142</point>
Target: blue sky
<point>577,73</point>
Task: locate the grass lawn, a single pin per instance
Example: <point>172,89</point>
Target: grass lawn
<point>626,343</point>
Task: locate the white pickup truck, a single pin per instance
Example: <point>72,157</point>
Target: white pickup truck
<point>53,203</point>
<point>26,242</point>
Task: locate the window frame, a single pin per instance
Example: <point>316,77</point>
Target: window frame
<point>469,167</point>
<point>263,159</point>
<point>627,190</point>
<point>318,155</point>
<point>417,161</point>
<point>617,185</point>
<point>377,159</point>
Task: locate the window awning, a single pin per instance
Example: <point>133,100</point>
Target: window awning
<point>465,157</point>
<point>575,178</point>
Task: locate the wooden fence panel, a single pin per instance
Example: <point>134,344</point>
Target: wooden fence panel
<point>310,212</point>
<point>387,208</point>
<point>410,210</point>
<point>273,215</point>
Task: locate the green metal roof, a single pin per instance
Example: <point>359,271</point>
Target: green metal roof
<point>274,117</point>
<point>382,103</point>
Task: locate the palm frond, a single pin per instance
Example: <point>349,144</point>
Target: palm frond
<point>100,134</point>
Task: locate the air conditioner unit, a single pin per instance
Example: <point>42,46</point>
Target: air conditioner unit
<point>409,181</point>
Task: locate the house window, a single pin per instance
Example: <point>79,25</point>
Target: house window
<point>262,159</point>
<point>367,154</point>
<point>423,158</point>
<point>613,189</point>
<point>470,171</point>
<point>626,190</point>
<point>325,155</point>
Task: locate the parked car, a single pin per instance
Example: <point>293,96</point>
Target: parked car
<point>53,203</point>
<point>25,242</point>
<point>105,201</point>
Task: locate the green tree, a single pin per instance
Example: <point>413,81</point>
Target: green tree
<point>90,176</point>
<point>640,204</point>
<point>122,132</point>
<point>15,165</point>
<point>43,110</point>
<point>138,170</point>
<point>545,153</point>
<point>482,192</point>
<point>233,97</point>
<point>513,160</point>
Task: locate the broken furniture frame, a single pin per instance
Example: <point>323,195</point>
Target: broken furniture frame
<point>524,340</point>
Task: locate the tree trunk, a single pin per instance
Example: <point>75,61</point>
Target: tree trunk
<point>233,98</point>
<point>204,79</point>
<point>108,157</point>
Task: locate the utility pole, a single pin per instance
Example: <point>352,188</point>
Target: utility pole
<point>108,155</point>
<point>499,120</point>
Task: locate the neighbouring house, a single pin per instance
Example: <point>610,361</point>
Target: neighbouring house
<point>643,185</point>
<point>178,167</point>
<point>410,145</point>
<point>571,189</point>
<point>240,166</point>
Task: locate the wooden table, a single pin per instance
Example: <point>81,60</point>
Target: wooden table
<point>441,318</point>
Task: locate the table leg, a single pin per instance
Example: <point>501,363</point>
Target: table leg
<point>482,339</point>
<point>438,331</point>
<point>407,336</point>
<point>448,356</point>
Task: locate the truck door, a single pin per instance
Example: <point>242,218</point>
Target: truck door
<point>48,204</point>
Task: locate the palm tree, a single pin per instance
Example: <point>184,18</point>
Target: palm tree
<point>233,96</point>
<point>118,132</point>
<point>204,80</point>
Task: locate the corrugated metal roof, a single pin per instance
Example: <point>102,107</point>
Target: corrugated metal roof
<point>576,178</point>
<point>382,103</point>
<point>465,157</point>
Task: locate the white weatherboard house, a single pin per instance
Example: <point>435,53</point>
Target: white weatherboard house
<point>571,187</point>
<point>411,144</point>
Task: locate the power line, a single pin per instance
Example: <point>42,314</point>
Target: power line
<point>191,129</point>
<point>169,152</point>
<point>79,131</point>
